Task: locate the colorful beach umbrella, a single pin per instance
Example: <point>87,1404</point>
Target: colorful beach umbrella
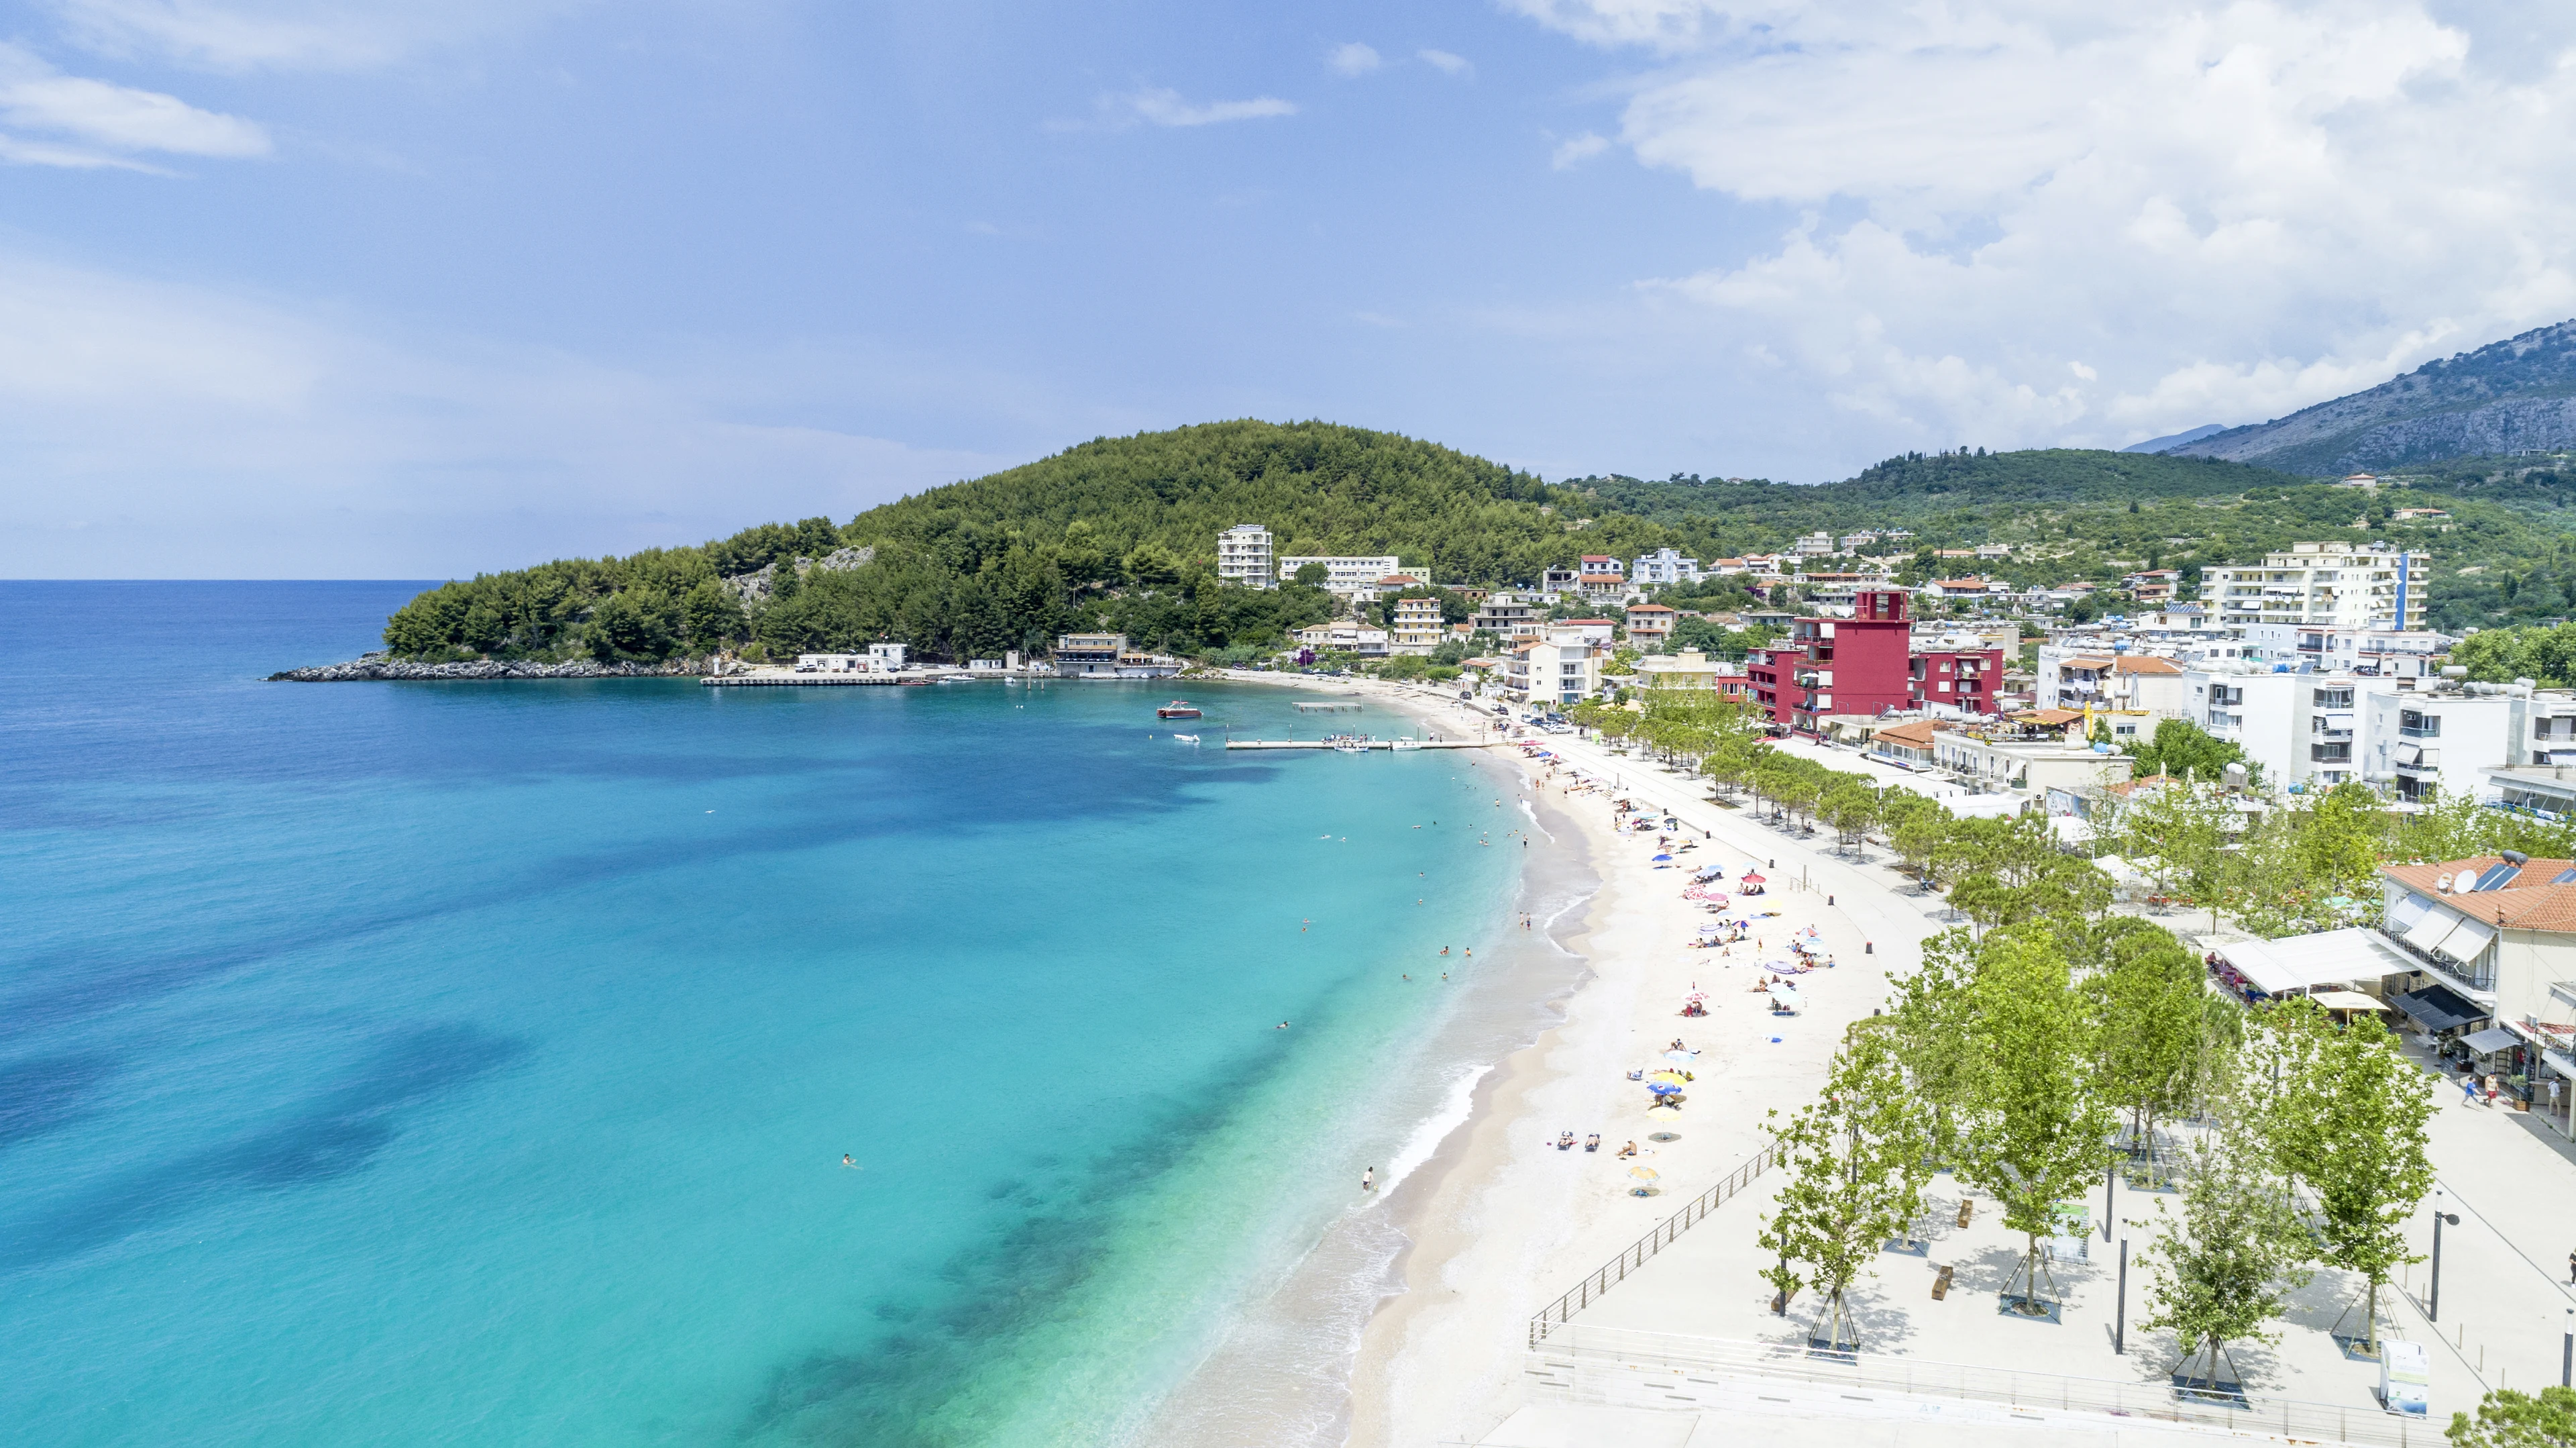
<point>1663,1088</point>
<point>1645,1174</point>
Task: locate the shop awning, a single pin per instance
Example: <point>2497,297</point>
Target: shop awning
<point>2347,1000</point>
<point>2403,915</point>
<point>2438,1008</point>
<point>2430,931</point>
<point>2296,964</point>
<point>2467,941</point>
<point>2492,1039</point>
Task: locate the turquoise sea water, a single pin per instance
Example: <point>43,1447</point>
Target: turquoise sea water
<point>473,1063</point>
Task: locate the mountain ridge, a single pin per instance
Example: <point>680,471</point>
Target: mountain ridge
<point>2504,397</point>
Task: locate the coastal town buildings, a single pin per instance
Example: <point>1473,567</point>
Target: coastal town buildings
<point>1961,677</point>
<point>1692,669</point>
<point>1107,656</point>
<point>1662,567</point>
<point>2493,938</point>
<point>1416,626</point>
<point>1603,579</point>
<point>2332,585</point>
<point>1243,557</point>
<point>1650,624</point>
<point>1562,668</point>
<point>1504,614</point>
<point>1345,574</point>
<point>1819,544</point>
<point>1345,636</point>
<point>878,659</point>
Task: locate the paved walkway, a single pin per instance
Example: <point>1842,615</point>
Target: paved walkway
<point>2505,1297</point>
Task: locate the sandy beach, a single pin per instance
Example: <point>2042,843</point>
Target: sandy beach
<point>1498,1221</point>
<point>1506,1222</point>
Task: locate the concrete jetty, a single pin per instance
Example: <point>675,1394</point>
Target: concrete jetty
<point>1361,743</point>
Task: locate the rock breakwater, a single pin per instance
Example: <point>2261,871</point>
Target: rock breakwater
<point>380,668</point>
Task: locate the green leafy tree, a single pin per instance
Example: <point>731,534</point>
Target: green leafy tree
<point>2510,1419</point>
<point>2230,1253</point>
<point>1851,807</point>
<point>711,616</point>
<point>1933,1030</point>
<point>1855,1168</point>
<point>2347,1118</point>
<point>2038,1122</point>
<point>2148,997</point>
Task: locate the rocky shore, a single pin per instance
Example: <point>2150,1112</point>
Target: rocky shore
<point>383,668</point>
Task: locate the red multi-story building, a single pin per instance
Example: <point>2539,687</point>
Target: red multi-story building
<point>1965,679</point>
<point>1866,665</point>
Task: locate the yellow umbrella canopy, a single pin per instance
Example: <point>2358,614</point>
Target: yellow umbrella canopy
<point>1645,1173</point>
<point>1669,1078</point>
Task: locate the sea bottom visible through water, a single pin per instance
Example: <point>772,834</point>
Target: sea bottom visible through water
<point>426,1063</point>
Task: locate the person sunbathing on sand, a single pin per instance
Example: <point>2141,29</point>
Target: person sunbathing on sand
<point>1629,1150</point>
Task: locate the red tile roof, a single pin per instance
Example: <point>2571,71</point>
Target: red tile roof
<point>2528,902</point>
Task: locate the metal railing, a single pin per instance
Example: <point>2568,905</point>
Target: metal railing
<point>1581,1361</point>
<point>1616,1271</point>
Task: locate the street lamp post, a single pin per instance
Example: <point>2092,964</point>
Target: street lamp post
<point>2120,1319</point>
<point>2433,1298</point>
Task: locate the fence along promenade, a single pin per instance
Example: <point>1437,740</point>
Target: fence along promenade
<point>1612,1273</point>
<point>1635,1368</point>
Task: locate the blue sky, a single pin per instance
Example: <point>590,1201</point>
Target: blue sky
<point>293,288</point>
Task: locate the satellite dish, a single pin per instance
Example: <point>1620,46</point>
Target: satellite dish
<point>2443,884</point>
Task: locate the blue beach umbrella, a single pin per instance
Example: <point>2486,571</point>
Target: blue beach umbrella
<point>1663,1088</point>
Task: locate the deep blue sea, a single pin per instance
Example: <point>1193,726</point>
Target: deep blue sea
<point>474,1063</point>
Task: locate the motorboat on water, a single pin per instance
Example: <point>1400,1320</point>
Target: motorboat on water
<point>1400,745</point>
<point>1185,738</point>
<point>1178,709</point>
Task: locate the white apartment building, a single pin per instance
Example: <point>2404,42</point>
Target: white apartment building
<point>2329,585</point>
<point>2135,683</point>
<point>1348,575</point>
<point>2372,652</point>
<point>1417,626</point>
<point>1663,566</point>
<point>1563,668</point>
<point>1819,544</point>
<point>1346,637</point>
<point>1243,557</point>
<point>2456,740</point>
<point>1505,614</point>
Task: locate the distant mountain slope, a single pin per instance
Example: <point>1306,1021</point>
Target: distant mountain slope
<point>2501,398</point>
<point>2172,440</point>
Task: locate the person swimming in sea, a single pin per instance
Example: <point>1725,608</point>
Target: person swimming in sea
<point>846,1160</point>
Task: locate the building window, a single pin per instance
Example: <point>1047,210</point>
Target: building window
<point>2334,698</point>
<point>2414,724</point>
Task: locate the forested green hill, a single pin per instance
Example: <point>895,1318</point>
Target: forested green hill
<point>1121,532</point>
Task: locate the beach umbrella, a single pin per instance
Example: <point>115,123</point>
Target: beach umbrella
<point>1674,1079</point>
<point>1645,1174</point>
<point>1662,1088</point>
<point>1751,878</point>
<point>1663,857</point>
<point>1681,1058</point>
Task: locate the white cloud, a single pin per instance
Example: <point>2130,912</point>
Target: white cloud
<point>327,35</point>
<point>2228,213</point>
<point>1354,59</point>
<point>1578,150</point>
<point>182,433</point>
<point>1166,108</point>
<point>1444,62</point>
<point>95,113</point>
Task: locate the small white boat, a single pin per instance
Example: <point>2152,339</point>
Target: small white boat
<point>1186,738</point>
<point>1349,746</point>
<point>1400,745</point>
